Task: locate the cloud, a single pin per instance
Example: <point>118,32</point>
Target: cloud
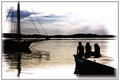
<point>23,14</point>
<point>90,29</point>
<point>48,20</point>
<point>85,28</point>
<point>59,24</point>
<point>99,30</point>
<point>51,18</point>
<point>54,16</point>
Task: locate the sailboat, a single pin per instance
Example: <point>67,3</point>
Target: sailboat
<point>16,44</point>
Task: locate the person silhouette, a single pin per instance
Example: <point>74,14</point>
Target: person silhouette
<point>97,51</point>
<point>88,50</point>
<point>80,50</point>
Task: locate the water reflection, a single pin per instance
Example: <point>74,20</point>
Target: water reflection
<point>16,60</point>
<point>54,57</point>
<point>19,63</point>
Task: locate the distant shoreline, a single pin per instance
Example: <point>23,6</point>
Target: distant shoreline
<point>81,39</point>
<point>8,35</point>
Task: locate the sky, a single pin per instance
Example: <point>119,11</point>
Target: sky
<point>62,18</point>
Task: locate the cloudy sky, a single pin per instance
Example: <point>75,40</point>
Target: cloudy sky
<point>62,17</point>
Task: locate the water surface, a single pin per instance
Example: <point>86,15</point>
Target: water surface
<point>53,59</point>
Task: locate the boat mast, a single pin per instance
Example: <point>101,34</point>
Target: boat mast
<point>18,20</point>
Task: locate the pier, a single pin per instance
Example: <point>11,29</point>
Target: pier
<point>87,67</point>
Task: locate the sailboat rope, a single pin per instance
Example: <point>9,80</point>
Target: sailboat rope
<point>39,22</point>
<point>33,23</point>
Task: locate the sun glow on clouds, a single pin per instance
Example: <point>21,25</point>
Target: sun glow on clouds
<point>69,17</point>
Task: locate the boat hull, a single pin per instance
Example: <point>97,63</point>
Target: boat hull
<point>11,46</point>
<point>87,67</point>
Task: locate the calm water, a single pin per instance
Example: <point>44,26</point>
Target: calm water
<point>53,59</point>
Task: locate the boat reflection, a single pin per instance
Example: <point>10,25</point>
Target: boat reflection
<point>19,60</point>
